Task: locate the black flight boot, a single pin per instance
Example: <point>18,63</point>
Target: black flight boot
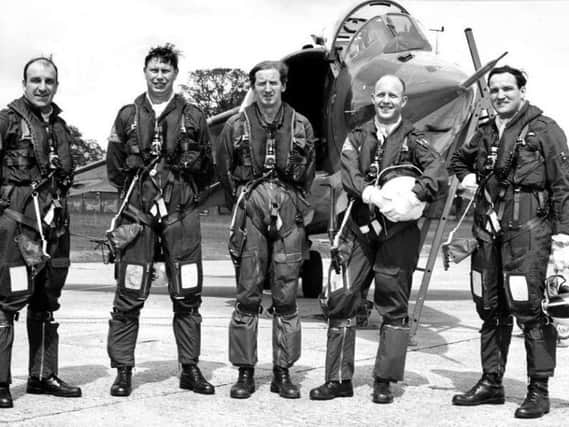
<point>331,389</point>
<point>192,379</point>
<point>382,391</point>
<point>52,385</point>
<point>487,391</point>
<point>245,385</point>
<point>123,382</point>
<point>5,397</point>
<point>536,403</point>
<point>282,385</point>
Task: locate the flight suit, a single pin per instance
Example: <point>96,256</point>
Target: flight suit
<point>522,200</point>
<point>169,177</point>
<point>36,170</point>
<point>268,235</point>
<point>372,247</point>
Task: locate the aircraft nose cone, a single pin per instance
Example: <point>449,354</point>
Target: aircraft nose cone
<point>431,83</point>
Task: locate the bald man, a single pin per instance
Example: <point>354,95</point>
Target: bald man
<point>36,171</point>
<point>389,171</point>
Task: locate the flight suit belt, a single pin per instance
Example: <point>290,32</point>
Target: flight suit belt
<point>480,233</point>
<point>19,162</point>
<point>389,229</point>
<point>136,214</point>
<point>521,198</point>
<point>39,182</point>
<point>267,177</point>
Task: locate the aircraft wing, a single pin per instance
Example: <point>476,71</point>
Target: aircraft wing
<point>481,72</point>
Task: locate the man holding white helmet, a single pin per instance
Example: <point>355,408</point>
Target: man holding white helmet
<point>389,171</point>
<point>517,167</point>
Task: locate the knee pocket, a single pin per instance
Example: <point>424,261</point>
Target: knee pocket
<point>185,278</point>
<point>17,279</point>
<point>134,280</point>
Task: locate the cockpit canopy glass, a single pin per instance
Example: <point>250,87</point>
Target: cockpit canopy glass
<point>389,33</point>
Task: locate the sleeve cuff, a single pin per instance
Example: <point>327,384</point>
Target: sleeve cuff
<point>421,193</point>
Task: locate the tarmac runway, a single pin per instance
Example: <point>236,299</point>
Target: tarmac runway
<point>444,361</point>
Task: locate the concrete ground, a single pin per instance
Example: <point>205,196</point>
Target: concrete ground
<point>444,361</point>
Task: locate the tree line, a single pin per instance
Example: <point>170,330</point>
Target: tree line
<point>213,90</point>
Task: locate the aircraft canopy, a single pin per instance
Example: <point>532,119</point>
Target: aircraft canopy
<point>389,33</point>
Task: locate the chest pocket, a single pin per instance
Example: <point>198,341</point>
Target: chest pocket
<point>242,148</point>
<point>19,152</point>
<point>530,164</point>
<point>131,135</point>
<point>405,153</point>
<point>300,151</point>
<point>189,133</point>
<point>194,157</point>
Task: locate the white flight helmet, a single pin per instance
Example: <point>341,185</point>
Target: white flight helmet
<point>395,181</point>
<point>556,301</point>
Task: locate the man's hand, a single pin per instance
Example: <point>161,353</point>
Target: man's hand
<point>468,186</point>
<point>372,195</point>
<point>134,162</point>
<point>560,251</point>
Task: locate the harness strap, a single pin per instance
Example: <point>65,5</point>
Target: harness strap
<point>25,129</point>
<point>137,215</point>
<point>499,204</point>
<point>530,225</point>
<point>21,218</point>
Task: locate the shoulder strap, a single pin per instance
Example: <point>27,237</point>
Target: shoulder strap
<point>404,148</point>
<point>134,124</point>
<point>246,127</point>
<point>523,133</point>
<point>183,118</point>
<point>292,140</point>
<point>26,133</point>
<point>134,127</point>
<point>292,130</point>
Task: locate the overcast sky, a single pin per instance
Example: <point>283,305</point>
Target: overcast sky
<point>100,48</point>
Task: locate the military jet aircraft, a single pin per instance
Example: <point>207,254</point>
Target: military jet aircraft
<point>331,82</point>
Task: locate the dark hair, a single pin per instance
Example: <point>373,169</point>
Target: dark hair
<point>167,54</point>
<point>280,66</point>
<point>43,59</point>
<point>519,75</point>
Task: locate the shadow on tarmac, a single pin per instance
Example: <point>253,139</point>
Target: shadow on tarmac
<point>77,375</point>
<point>515,390</point>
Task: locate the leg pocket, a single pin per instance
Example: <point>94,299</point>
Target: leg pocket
<point>484,275</point>
<point>182,239</point>
<point>184,279</point>
<point>18,281</point>
<point>134,279</point>
<point>287,260</point>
